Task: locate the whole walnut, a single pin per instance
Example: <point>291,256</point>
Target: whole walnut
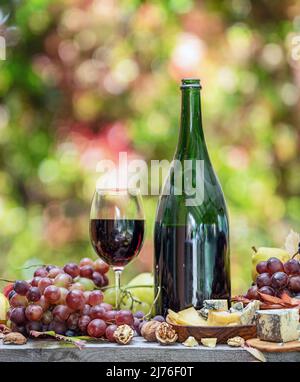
<point>14,338</point>
<point>148,330</point>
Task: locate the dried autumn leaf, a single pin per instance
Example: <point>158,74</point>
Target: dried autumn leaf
<point>255,353</point>
<point>75,341</point>
<point>293,302</point>
<point>292,242</point>
<point>285,301</point>
<point>242,299</point>
<point>286,298</point>
<point>268,305</point>
<point>272,299</point>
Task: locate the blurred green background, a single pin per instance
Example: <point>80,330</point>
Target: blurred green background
<point>85,79</point>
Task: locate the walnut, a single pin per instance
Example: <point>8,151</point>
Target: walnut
<point>14,338</point>
<point>123,335</point>
<point>165,334</point>
<point>148,330</point>
<point>236,341</point>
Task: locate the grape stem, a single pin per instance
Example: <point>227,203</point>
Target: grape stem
<point>30,266</point>
<point>254,249</point>
<point>128,294</point>
<point>125,293</point>
<point>153,303</point>
<point>7,281</point>
<point>127,287</point>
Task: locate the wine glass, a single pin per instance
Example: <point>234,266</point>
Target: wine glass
<point>117,228</point>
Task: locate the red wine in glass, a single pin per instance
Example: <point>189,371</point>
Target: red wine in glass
<point>117,226</point>
<point>117,242</point>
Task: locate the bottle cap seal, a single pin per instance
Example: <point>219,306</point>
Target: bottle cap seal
<point>190,83</point>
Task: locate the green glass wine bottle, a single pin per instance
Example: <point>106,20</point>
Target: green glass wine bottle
<point>191,235</point>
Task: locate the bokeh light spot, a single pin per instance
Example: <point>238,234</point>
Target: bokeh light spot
<point>48,171</point>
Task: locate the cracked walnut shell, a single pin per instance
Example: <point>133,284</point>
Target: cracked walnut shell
<point>165,334</point>
<point>123,334</point>
<point>148,330</point>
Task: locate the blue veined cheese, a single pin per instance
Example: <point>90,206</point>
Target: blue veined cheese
<point>220,305</point>
<point>248,313</point>
<point>236,307</point>
<point>215,304</point>
<point>278,325</point>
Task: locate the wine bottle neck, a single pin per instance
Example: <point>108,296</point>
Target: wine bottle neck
<point>191,143</point>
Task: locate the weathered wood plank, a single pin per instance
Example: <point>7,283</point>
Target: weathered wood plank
<point>138,351</point>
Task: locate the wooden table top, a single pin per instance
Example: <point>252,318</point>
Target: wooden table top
<point>138,351</point>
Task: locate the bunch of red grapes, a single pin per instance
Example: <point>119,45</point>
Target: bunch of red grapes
<point>57,299</point>
<point>63,300</point>
<point>275,278</point>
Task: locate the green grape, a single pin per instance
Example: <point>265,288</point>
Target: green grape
<point>77,286</point>
<point>63,280</point>
<point>86,283</point>
<point>142,307</point>
<point>145,294</point>
<point>126,303</point>
<point>47,317</point>
<point>110,296</point>
<point>63,296</point>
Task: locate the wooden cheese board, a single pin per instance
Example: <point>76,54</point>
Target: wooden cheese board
<point>222,333</point>
<point>274,347</point>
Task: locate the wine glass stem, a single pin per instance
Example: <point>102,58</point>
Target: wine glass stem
<point>118,286</point>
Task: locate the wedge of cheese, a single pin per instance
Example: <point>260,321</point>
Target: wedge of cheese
<point>278,325</point>
<point>187,317</point>
<point>237,307</point>
<point>212,305</point>
<point>223,318</point>
<point>209,342</point>
<point>248,313</point>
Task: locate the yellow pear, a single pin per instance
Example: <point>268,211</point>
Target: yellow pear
<point>264,254</point>
<point>4,306</point>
